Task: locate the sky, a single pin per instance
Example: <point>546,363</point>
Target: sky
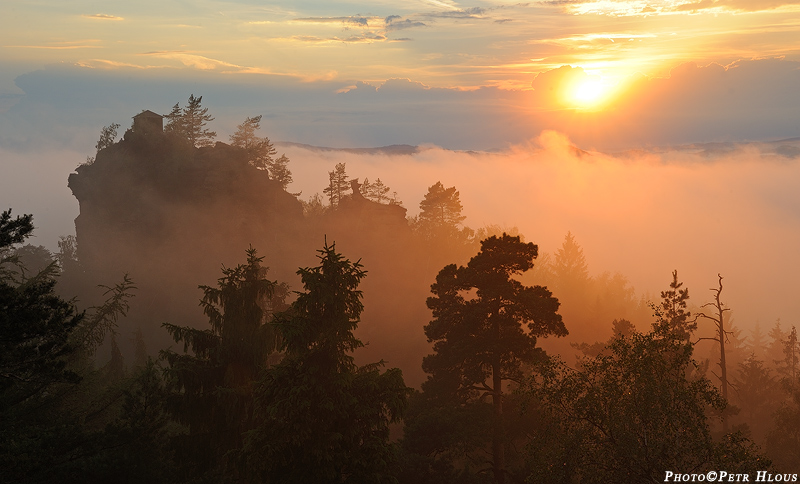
<point>611,74</point>
<point>630,109</point>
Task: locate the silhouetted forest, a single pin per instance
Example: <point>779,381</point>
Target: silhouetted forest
<point>206,325</point>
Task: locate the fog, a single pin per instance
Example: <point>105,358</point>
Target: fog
<point>703,210</point>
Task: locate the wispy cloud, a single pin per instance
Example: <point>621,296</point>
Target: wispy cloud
<point>358,38</point>
<point>192,60</point>
<point>349,21</point>
<point>63,45</point>
<point>469,13</point>
<point>102,16</point>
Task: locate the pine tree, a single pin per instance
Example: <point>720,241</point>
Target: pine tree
<point>107,136</point>
<point>190,122</point>
<point>259,150</point>
<point>377,191</point>
<point>440,210</point>
<point>195,118</point>
<point>338,185</point>
<point>485,328</point>
<point>671,313</point>
<point>279,171</point>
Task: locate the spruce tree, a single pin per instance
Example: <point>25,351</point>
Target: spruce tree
<point>212,384</point>
<point>322,418</point>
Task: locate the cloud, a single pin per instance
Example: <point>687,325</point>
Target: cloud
<point>364,37</point>
<point>102,16</point>
<point>394,22</point>
<point>63,45</point>
<point>468,13</point>
<point>351,21</point>
<point>192,60</point>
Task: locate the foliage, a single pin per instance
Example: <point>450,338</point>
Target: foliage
<point>14,231</point>
<point>313,207</point>
<point>629,414</point>
<point>212,386</point>
<point>440,213</point>
<point>783,441</point>
<point>51,429</point>
<point>279,171</point>
<point>375,191</point>
<point>756,394</point>
<point>569,265</point>
<point>190,122</point>
<point>321,418</point>
<point>107,136</point>
<point>102,319</point>
<point>789,365</point>
<point>671,314</point>
<point>35,325</point>
<point>338,185</point>
<point>485,328</point>
<point>260,151</point>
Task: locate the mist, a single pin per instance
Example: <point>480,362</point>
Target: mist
<point>701,210</point>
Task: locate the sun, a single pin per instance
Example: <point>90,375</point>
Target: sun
<point>587,93</point>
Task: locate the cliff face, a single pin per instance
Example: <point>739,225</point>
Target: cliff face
<point>154,198</point>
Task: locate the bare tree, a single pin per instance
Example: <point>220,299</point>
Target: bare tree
<point>718,317</point>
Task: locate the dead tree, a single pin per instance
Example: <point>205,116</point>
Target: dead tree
<point>722,335</point>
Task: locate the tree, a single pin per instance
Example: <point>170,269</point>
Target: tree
<point>486,325</point>
<point>259,150</point>
<point>789,365</point>
<point>783,441</point>
<point>175,122</point>
<point>630,414</point>
<point>190,122</point>
<point>321,418</point>
<point>212,387</point>
<point>279,171</point>
<point>756,393</point>
<point>671,314</point>
<point>722,335</point>
<point>376,191</point>
<point>440,210</point>
<point>337,186</point>
<point>314,207</point>
<point>195,118</point>
<point>569,266</point>
<point>35,325</point>
<point>47,431</point>
<point>107,136</point>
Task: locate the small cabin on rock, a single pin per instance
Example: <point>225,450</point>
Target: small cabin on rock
<point>148,122</point>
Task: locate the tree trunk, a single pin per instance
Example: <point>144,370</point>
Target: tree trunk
<point>498,430</point>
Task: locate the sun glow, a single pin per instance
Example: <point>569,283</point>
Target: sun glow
<point>589,93</point>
